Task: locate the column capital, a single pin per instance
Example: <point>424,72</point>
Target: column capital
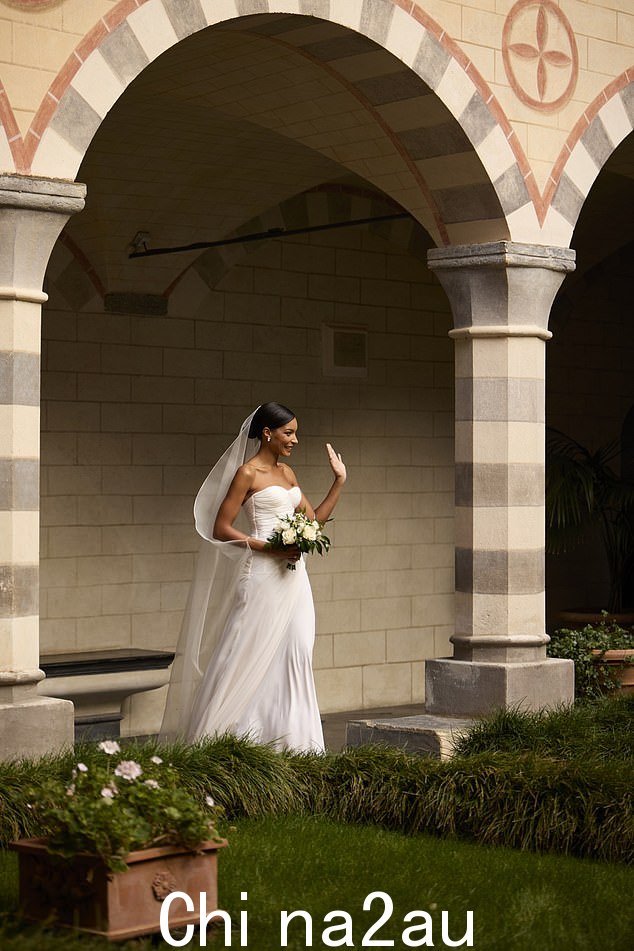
<point>501,289</point>
<point>501,254</point>
<point>41,194</point>
<point>33,212</point>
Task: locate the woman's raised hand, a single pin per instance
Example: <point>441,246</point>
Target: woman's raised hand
<point>336,464</point>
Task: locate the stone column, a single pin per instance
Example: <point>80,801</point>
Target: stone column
<point>32,213</point>
<point>501,294</point>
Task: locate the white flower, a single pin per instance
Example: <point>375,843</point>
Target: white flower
<point>289,536</point>
<point>128,769</point>
<point>315,524</point>
<point>209,801</point>
<point>156,759</point>
<point>152,783</point>
<point>110,747</point>
<point>82,767</point>
<point>71,790</point>
<point>107,792</point>
<point>310,533</point>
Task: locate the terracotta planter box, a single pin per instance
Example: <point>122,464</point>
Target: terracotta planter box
<point>82,893</point>
<point>625,674</point>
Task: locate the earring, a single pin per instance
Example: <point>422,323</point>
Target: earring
<point>268,438</point>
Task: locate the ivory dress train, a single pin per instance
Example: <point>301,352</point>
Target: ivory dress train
<point>260,677</point>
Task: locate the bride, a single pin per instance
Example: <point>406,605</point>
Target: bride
<point>249,622</point>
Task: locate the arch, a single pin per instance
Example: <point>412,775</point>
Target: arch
<point>11,144</point>
<point>136,32</point>
<point>70,267</point>
<point>604,124</point>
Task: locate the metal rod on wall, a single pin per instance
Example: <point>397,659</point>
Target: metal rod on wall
<point>263,235</point>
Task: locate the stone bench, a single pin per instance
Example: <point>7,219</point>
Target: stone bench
<point>99,682</point>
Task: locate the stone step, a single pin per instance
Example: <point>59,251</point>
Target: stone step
<point>423,734</point>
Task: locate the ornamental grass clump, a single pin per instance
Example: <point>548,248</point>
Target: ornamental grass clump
<point>115,806</point>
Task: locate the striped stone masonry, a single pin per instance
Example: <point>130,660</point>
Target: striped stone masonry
<point>501,295</point>
<point>32,213</point>
<point>446,128</point>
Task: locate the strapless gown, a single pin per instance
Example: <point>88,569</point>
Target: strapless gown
<point>260,678</point>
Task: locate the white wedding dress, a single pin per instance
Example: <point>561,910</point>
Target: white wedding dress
<point>259,680</point>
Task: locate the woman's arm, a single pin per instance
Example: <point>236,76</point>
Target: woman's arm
<point>230,506</point>
<point>324,510</point>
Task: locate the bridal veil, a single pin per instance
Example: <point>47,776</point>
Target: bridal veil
<point>218,567</point>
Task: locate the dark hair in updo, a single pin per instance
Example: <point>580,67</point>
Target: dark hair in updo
<point>272,415</point>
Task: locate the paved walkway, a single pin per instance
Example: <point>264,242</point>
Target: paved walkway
<point>335,723</point>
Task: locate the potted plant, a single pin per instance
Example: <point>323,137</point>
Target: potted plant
<point>120,837</point>
<point>584,491</point>
<point>603,656</point>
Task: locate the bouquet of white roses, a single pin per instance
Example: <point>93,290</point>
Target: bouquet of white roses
<point>297,529</point>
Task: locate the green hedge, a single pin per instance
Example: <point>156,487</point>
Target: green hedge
<point>577,807</point>
<point>602,730</point>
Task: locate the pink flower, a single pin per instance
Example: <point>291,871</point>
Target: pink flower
<point>128,769</point>
<point>110,747</point>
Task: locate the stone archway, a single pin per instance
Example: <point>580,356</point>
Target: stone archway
<point>127,41</point>
<point>465,181</point>
<point>605,123</point>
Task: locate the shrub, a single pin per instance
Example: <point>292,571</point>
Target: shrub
<point>115,806</point>
<point>593,678</point>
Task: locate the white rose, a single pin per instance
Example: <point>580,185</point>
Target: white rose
<point>289,536</point>
<point>310,533</point>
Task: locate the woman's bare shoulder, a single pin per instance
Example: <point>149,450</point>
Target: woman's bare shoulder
<point>245,474</point>
<point>288,473</point>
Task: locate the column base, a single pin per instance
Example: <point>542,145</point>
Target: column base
<point>461,688</point>
<point>33,726</point>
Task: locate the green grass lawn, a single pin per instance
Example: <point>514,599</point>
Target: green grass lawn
<point>520,901</point>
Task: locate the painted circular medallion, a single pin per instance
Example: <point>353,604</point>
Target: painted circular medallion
<point>540,54</point>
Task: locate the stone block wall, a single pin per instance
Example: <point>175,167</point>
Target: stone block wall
<point>136,409</point>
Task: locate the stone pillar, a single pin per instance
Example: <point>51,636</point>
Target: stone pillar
<point>501,294</point>
<point>32,213</point>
